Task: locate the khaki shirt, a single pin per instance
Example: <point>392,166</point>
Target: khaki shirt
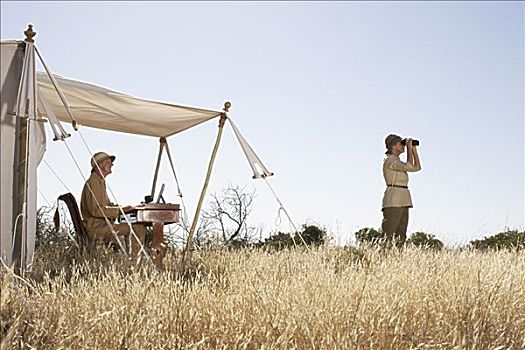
<point>395,172</point>
<point>95,204</point>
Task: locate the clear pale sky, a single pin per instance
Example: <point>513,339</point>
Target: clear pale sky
<point>315,88</point>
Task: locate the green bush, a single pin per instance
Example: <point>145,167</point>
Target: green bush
<point>278,241</point>
<point>312,236</point>
<point>510,239</point>
<point>368,235</point>
<point>425,240</point>
<point>46,234</point>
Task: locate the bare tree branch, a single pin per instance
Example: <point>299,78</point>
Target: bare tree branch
<point>229,211</point>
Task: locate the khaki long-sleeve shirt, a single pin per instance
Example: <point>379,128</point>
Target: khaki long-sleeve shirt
<point>94,204</point>
<point>396,172</point>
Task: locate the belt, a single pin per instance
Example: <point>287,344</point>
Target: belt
<point>397,186</point>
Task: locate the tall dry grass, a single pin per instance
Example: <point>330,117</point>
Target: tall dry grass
<point>330,298</point>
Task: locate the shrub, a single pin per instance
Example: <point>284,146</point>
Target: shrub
<point>311,234</point>
<point>510,239</point>
<point>425,240</point>
<point>46,234</point>
<point>368,235</point>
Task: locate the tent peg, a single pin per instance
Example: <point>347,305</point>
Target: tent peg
<point>29,33</point>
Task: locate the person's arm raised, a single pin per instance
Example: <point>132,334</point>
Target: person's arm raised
<point>410,156</point>
<point>413,156</point>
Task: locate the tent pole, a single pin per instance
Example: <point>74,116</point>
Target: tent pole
<point>21,199</point>
<point>162,141</point>
<point>20,243</point>
<point>20,238</point>
<point>189,244</point>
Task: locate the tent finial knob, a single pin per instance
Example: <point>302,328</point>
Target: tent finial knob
<point>227,106</point>
<point>29,33</point>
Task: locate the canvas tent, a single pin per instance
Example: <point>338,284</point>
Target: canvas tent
<point>28,99</point>
<point>15,68</point>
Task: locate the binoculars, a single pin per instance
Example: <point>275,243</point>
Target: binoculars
<point>414,142</point>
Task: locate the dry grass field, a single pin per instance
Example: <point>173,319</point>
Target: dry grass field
<point>326,298</point>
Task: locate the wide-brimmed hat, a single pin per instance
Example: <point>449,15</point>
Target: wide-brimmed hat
<point>99,157</point>
<point>391,141</point>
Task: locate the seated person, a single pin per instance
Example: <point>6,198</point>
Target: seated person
<point>95,207</point>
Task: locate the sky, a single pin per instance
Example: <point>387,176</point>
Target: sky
<point>315,88</point>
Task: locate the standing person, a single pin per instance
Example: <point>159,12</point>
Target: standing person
<point>397,199</point>
<point>99,213</point>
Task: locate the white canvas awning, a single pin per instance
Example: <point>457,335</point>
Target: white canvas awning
<point>101,108</point>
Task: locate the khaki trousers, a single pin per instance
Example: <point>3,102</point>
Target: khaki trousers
<point>105,235</point>
<point>395,223</point>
